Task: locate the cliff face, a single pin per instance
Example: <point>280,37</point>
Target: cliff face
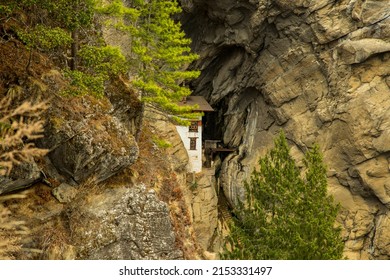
<point>98,193</point>
<point>319,70</point>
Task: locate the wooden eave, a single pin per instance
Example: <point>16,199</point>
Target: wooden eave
<point>199,101</point>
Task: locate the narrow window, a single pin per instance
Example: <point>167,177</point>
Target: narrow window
<point>193,127</point>
<point>192,143</point>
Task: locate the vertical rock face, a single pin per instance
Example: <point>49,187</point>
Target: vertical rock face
<point>204,203</point>
<point>199,192</point>
<point>320,70</point>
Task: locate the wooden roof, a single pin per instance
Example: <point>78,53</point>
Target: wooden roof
<point>203,105</point>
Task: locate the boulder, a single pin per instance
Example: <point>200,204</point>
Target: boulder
<point>358,51</point>
<point>91,147</point>
<point>64,193</point>
<point>90,143</point>
<point>122,223</point>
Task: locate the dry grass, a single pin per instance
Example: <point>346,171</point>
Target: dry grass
<point>55,240</point>
<point>47,231</point>
<point>11,230</point>
<point>18,126</point>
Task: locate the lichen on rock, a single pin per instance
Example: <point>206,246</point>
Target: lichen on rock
<point>122,223</point>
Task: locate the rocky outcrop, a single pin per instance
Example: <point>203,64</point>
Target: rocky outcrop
<point>89,140</point>
<point>98,146</point>
<point>97,221</point>
<point>122,223</point>
<point>21,177</point>
<point>86,137</point>
<point>318,70</point>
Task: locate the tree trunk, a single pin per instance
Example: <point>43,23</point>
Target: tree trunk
<point>75,47</point>
<point>140,122</point>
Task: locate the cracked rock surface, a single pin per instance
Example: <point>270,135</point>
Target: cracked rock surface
<point>320,70</point>
<point>123,223</point>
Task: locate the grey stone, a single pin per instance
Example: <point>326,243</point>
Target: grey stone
<point>123,223</point>
<point>64,193</point>
<point>357,51</point>
<point>21,177</point>
<point>90,147</point>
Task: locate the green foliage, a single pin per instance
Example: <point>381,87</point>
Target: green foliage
<point>125,17</point>
<point>69,14</point>
<point>44,38</point>
<point>98,64</point>
<point>82,83</point>
<point>5,10</point>
<point>161,143</point>
<point>106,60</point>
<point>194,185</point>
<point>65,14</point>
<point>160,51</point>
<point>286,215</point>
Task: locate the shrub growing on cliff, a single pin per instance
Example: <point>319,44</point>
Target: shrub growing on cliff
<point>286,215</point>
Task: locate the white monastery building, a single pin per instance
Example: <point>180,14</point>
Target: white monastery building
<point>191,136</point>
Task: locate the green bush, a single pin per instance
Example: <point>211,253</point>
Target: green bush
<point>161,143</point>
<point>82,83</point>
<point>286,215</point>
<point>106,60</point>
<point>44,38</point>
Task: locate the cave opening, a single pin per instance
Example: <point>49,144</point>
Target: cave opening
<point>214,122</point>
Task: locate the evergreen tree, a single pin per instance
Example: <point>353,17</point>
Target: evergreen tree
<point>52,23</point>
<point>54,27</point>
<point>163,52</point>
<point>286,215</point>
<point>160,52</point>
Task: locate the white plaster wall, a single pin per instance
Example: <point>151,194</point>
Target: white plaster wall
<point>195,156</point>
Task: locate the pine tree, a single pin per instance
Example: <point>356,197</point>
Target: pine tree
<point>160,52</point>
<point>58,21</point>
<point>286,215</point>
<point>163,52</point>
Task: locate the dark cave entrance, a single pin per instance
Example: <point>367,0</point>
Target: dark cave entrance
<point>214,122</point>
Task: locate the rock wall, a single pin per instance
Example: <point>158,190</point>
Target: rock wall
<point>320,70</point>
<point>199,190</point>
<point>204,203</point>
